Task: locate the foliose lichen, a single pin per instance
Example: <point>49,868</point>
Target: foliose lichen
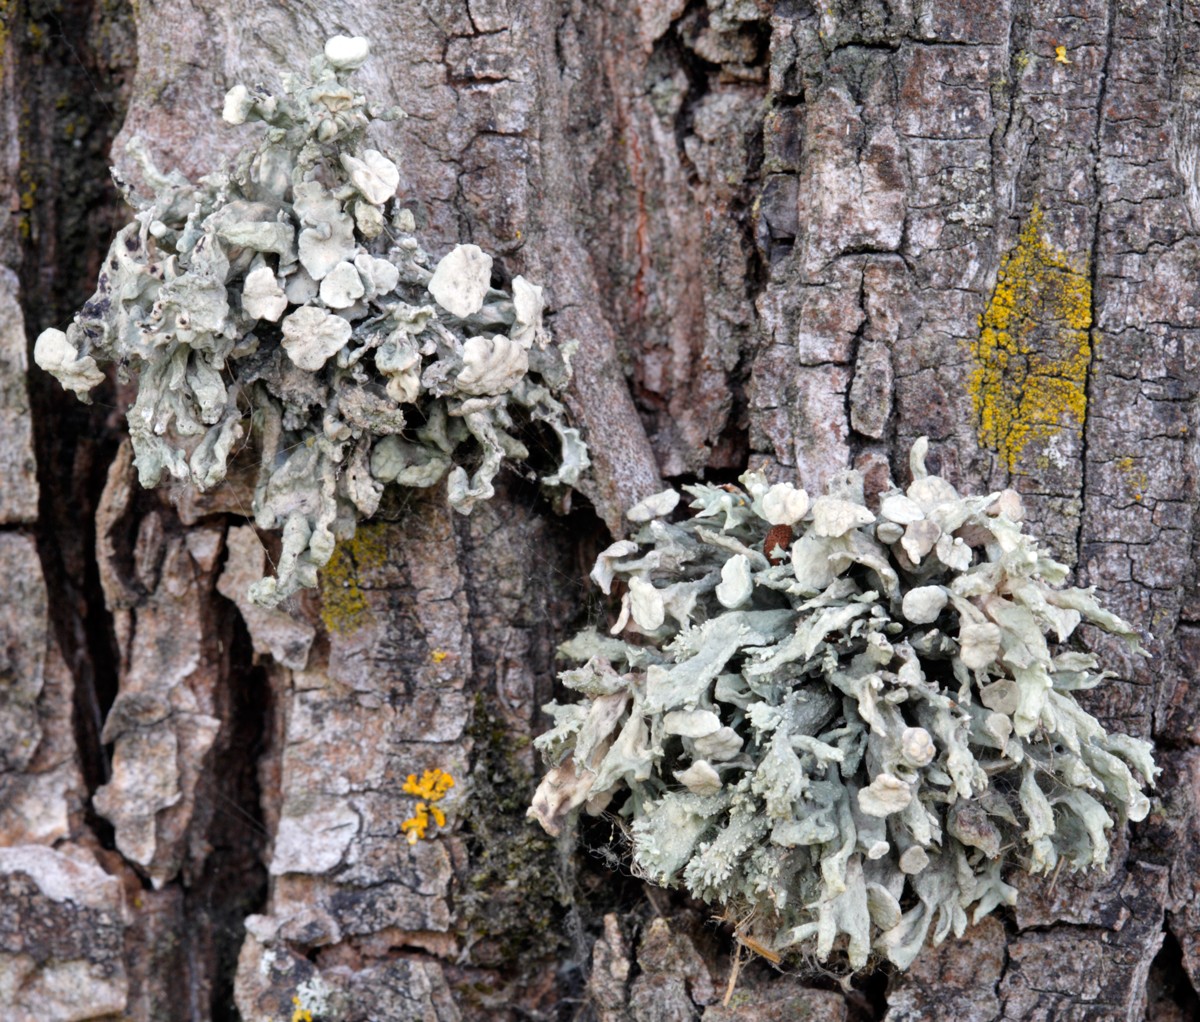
<point>287,303</point>
<point>842,723</point>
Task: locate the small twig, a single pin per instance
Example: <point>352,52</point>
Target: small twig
<point>733,976</point>
<point>1057,870</point>
<point>652,897</point>
<point>753,945</point>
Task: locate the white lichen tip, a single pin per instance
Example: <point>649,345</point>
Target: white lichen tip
<point>700,778</point>
<point>460,282</point>
<point>657,505</point>
<point>736,586</point>
<point>834,517</point>
<point>922,605</point>
<point>342,286</point>
<point>784,504</point>
<point>913,860</point>
<point>491,365</point>
<point>237,105</point>
<point>347,52</point>
<point>262,297</point>
<point>885,795</point>
<point>646,605</point>
<point>375,176</point>
<point>917,746</point>
<point>58,356</point>
<point>311,336</point>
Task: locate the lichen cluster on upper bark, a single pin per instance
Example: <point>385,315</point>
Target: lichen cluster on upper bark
<point>289,300</point>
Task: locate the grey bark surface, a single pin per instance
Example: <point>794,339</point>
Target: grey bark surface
<point>779,233</point>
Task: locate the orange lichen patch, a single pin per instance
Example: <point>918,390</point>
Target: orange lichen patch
<point>433,784</point>
<point>431,788</point>
<point>1034,349</point>
<point>343,599</point>
<point>414,827</point>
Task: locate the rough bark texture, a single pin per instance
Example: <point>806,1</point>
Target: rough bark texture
<point>784,234</point>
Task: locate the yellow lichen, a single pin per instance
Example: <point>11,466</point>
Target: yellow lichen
<point>1031,360</point>
<point>1060,55</point>
<point>301,1014</point>
<point>431,788</point>
<point>1136,479</point>
<point>343,596</point>
<point>438,656</point>
<point>433,784</point>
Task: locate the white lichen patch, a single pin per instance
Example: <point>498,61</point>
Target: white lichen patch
<point>784,504</point>
<point>856,746</point>
<point>491,365</point>
<point>312,336</point>
<point>657,505</point>
<point>55,353</point>
<point>347,52</point>
<point>262,297</point>
<point>375,176</point>
<point>288,299</point>
<point>460,282</point>
<point>341,287</point>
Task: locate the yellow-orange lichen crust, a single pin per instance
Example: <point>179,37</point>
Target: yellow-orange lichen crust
<point>1031,360</point>
<point>432,788</point>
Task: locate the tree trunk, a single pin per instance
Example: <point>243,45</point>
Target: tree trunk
<point>790,236</point>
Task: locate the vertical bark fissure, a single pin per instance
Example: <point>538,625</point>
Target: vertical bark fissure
<point>232,883</point>
<point>1169,983</point>
<point>697,71</point>
<point>1094,337</point>
<point>68,207</point>
<point>856,440</point>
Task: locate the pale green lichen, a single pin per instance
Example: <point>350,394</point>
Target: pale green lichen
<point>849,732</point>
<point>288,301</point>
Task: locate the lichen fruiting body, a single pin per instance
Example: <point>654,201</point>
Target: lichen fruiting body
<point>288,303</point>
<point>848,737</point>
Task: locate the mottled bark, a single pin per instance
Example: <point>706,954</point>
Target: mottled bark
<point>789,235</point>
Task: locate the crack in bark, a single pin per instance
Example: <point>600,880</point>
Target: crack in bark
<point>1094,331</point>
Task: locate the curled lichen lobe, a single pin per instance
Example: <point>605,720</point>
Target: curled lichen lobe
<point>1030,362</point>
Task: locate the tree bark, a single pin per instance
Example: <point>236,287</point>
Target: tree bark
<point>785,235</point>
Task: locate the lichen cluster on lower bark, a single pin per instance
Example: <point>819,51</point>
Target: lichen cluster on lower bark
<point>843,724</point>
